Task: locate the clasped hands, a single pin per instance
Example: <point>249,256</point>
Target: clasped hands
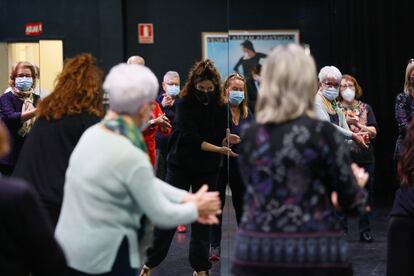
<point>208,205</point>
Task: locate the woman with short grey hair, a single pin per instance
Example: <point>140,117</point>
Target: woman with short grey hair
<point>110,187</point>
<point>326,107</point>
<point>292,165</point>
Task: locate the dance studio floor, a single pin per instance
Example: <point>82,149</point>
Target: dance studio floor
<point>368,258</point>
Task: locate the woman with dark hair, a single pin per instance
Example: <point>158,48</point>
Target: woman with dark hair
<point>63,116</point>
<point>400,236</point>
<point>194,153</point>
<point>235,95</point>
<point>17,109</point>
<point>249,60</point>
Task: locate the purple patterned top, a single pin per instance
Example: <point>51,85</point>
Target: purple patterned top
<point>404,110</point>
<point>290,170</point>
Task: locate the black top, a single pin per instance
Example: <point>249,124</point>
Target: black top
<point>403,202</point>
<point>236,129</point>
<point>252,92</point>
<point>249,64</point>
<point>290,170</point>
<point>45,154</point>
<point>193,124</point>
<point>27,244</point>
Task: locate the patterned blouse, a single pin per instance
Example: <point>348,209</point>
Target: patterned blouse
<point>290,170</point>
<point>367,118</point>
<point>404,110</point>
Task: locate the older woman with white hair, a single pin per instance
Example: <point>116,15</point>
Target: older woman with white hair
<point>110,187</point>
<point>292,165</point>
<point>326,107</point>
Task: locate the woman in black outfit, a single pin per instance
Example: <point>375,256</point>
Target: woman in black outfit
<point>194,152</point>
<point>401,226</point>
<point>63,116</point>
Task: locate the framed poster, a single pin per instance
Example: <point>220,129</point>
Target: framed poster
<point>241,50</point>
<point>215,46</point>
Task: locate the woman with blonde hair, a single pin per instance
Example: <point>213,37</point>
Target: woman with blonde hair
<point>63,116</point>
<point>292,165</point>
<point>17,110</point>
<point>404,107</point>
<point>235,95</point>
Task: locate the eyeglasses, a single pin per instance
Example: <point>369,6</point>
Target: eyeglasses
<point>331,84</point>
<point>23,76</point>
<point>345,86</point>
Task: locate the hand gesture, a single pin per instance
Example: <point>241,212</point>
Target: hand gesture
<point>358,138</point>
<point>162,121</point>
<point>360,174</point>
<point>231,139</point>
<point>208,204</point>
<point>352,119</point>
<point>228,152</point>
<point>167,100</point>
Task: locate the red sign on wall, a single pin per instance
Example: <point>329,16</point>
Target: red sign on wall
<point>145,33</point>
<point>34,29</point>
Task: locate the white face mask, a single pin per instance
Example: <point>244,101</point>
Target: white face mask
<point>348,94</point>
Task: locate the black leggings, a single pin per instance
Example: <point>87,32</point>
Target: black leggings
<point>199,243</point>
<point>400,250</point>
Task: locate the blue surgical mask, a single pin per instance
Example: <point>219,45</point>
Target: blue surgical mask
<point>23,83</point>
<point>173,90</point>
<point>236,97</point>
<point>330,93</point>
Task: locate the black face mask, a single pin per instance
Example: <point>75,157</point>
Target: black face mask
<point>204,97</point>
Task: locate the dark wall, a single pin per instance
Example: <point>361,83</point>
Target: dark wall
<point>177,31</point>
<point>371,40</point>
<point>93,26</point>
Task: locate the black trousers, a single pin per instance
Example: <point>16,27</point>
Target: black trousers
<point>199,243</point>
<point>229,174</point>
<point>400,250</point>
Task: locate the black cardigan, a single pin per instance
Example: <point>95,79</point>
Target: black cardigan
<point>193,124</point>
<point>26,237</point>
<point>45,155</point>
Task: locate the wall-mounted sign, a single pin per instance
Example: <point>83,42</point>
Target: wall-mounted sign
<point>145,33</point>
<point>33,29</point>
